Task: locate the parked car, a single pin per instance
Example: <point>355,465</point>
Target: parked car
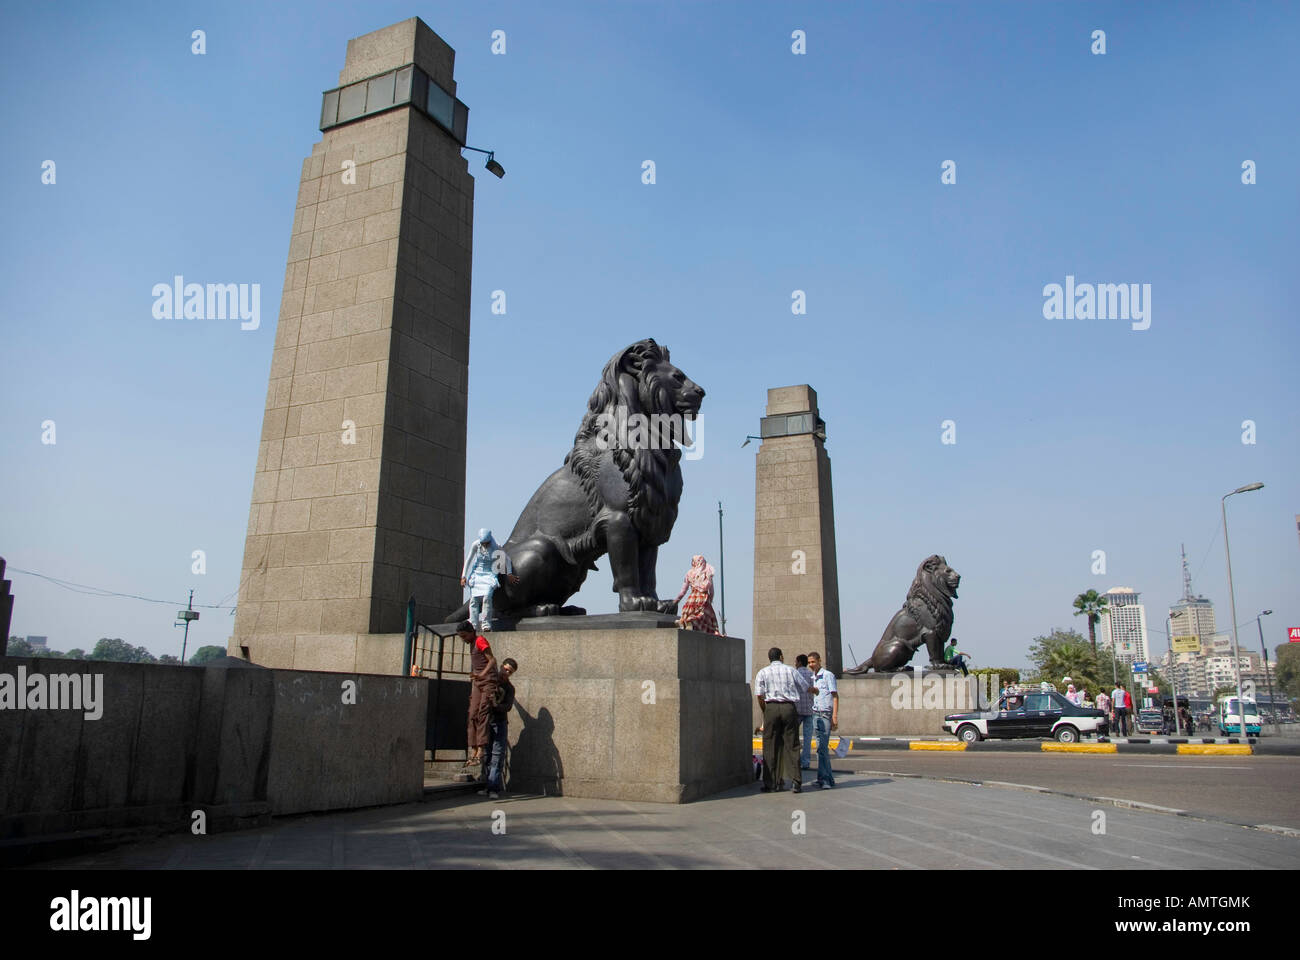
<point>1029,715</point>
<point>1149,720</point>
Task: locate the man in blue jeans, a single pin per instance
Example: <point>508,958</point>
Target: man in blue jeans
<point>499,728</point>
<point>805,710</point>
<point>826,718</point>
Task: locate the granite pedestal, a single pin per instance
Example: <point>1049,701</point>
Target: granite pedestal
<point>627,709</point>
<point>904,704</point>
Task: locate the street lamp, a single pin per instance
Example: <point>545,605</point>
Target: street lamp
<point>492,166</point>
<point>722,571</point>
<point>1173,674</point>
<point>1272,704</point>
<point>1232,599</point>
<point>186,616</point>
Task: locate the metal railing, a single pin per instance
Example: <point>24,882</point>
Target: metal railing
<point>443,660</point>
<point>436,655</point>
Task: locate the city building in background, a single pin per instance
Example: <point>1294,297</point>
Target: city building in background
<point>39,643</point>
<point>1192,616</point>
<point>1124,625</point>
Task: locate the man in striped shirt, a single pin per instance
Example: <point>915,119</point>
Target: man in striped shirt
<point>777,688</point>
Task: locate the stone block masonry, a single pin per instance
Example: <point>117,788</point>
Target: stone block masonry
<point>359,489</point>
<point>796,581</point>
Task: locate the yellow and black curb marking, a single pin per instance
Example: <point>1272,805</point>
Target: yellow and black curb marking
<point>1215,748</point>
<point>864,744</point>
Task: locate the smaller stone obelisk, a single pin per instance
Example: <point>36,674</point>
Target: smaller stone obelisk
<point>796,584</point>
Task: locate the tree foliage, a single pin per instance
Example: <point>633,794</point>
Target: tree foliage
<point>1065,653</point>
<point>19,647</point>
<point>1092,605</point>
<point>205,654</point>
<point>1287,672</point>
<point>119,651</point>
<point>1005,675</point>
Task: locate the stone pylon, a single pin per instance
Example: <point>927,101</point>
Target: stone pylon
<point>359,492</point>
<point>796,585</point>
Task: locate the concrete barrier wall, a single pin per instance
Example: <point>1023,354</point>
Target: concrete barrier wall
<point>328,754</point>
<point>234,742</point>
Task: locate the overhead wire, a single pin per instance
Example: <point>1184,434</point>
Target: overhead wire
<point>104,592</point>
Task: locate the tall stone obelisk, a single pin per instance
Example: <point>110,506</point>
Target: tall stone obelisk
<point>796,583</point>
<point>359,493</point>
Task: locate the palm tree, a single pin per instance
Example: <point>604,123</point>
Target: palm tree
<point>1072,660</point>
<point>1091,605</point>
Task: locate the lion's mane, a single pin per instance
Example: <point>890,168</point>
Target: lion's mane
<point>924,595</point>
<point>628,386</point>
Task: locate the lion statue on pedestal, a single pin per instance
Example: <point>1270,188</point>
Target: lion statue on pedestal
<point>616,493</point>
<point>925,620</point>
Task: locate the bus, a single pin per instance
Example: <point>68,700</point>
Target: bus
<point>1230,716</point>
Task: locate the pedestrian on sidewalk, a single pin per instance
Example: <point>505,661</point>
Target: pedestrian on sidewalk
<point>1121,700</point>
<point>826,715</point>
<point>806,718</point>
<point>483,682</point>
<point>777,688</point>
<point>503,701</point>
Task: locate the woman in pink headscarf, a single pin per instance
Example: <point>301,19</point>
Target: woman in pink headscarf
<point>697,612</point>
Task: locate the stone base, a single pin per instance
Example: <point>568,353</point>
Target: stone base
<point>903,704</point>
<point>627,714</point>
<point>375,653</point>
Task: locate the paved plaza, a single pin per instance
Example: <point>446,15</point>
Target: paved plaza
<point>867,821</point>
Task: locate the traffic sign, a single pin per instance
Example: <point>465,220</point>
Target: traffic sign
<point>1139,667</point>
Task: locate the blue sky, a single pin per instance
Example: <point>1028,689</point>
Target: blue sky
<point>775,172</point>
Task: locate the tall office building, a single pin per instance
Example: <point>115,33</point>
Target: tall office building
<point>1124,626</point>
<point>1191,616</point>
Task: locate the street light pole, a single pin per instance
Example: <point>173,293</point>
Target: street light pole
<point>722,572</point>
<point>1232,600</point>
<point>1277,730</point>
<point>187,616</point>
<point>1173,677</point>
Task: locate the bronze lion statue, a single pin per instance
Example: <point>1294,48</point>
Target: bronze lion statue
<point>925,620</point>
<point>616,493</point>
